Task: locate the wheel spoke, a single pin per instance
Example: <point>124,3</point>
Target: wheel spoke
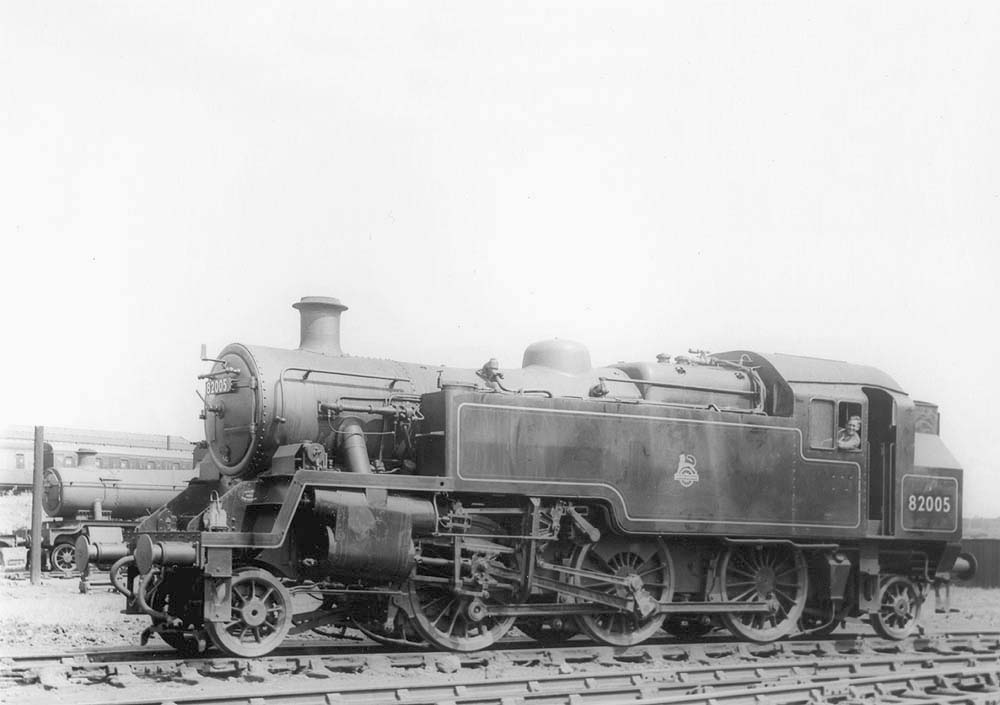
<point>454,619</point>
<point>787,583</point>
<point>443,612</point>
<point>436,601</point>
<point>602,564</point>
<point>782,593</point>
<point>744,573</point>
<point>651,570</point>
<point>743,595</point>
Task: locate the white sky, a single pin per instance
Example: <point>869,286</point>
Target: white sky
<point>812,178</point>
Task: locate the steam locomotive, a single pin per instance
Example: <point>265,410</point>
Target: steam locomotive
<point>442,506</point>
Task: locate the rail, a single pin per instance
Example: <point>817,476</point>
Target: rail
<point>709,671</point>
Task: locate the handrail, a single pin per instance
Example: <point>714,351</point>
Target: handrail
<point>674,385</point>
<point>309,370</point>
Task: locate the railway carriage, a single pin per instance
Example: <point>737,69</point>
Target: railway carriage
<point>770,494</point>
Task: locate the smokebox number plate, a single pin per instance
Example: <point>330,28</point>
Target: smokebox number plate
<point>219,386</point>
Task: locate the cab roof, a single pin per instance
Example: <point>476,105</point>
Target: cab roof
<point>816,370</point>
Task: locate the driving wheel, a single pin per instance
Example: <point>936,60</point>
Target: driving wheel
<point>612,563</point>
<point>774,575</point>
<point>459,619</point>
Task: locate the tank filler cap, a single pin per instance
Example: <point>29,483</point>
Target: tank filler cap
<point>566,356</point>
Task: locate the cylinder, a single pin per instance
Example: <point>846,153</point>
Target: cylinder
<point>421,511</point>
<point>319,320</point>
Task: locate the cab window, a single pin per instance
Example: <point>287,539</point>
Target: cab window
<point>821,418</point>
<point>850,431</point>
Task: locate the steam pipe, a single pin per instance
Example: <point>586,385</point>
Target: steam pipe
<point>355,446</point>
<point>140,597</point>
<point>113,575</point>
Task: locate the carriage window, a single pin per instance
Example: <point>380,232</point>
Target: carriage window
<point>175,466</point>
<point>98,463</point>
<point>123,463</point>
<point>19,461</point>
<point>151,465</point>
<point>68,461</point>
<point>821,417</point>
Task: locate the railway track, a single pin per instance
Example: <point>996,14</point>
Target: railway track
<point>668,647</point>
<point>306,672</point>
<point>968,681</point>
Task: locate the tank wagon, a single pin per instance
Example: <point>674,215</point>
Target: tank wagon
<point>99,504</point>
<point>771,494</point>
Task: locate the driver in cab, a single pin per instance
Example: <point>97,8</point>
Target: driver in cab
<point>850,438</point>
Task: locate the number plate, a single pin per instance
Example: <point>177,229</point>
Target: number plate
<point>219,385</point>
<point>929,503</point>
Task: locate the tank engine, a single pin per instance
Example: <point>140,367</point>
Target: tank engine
<point>771,494</point>
<point>101,504</point>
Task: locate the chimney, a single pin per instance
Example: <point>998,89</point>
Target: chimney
<point>320,324</point>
